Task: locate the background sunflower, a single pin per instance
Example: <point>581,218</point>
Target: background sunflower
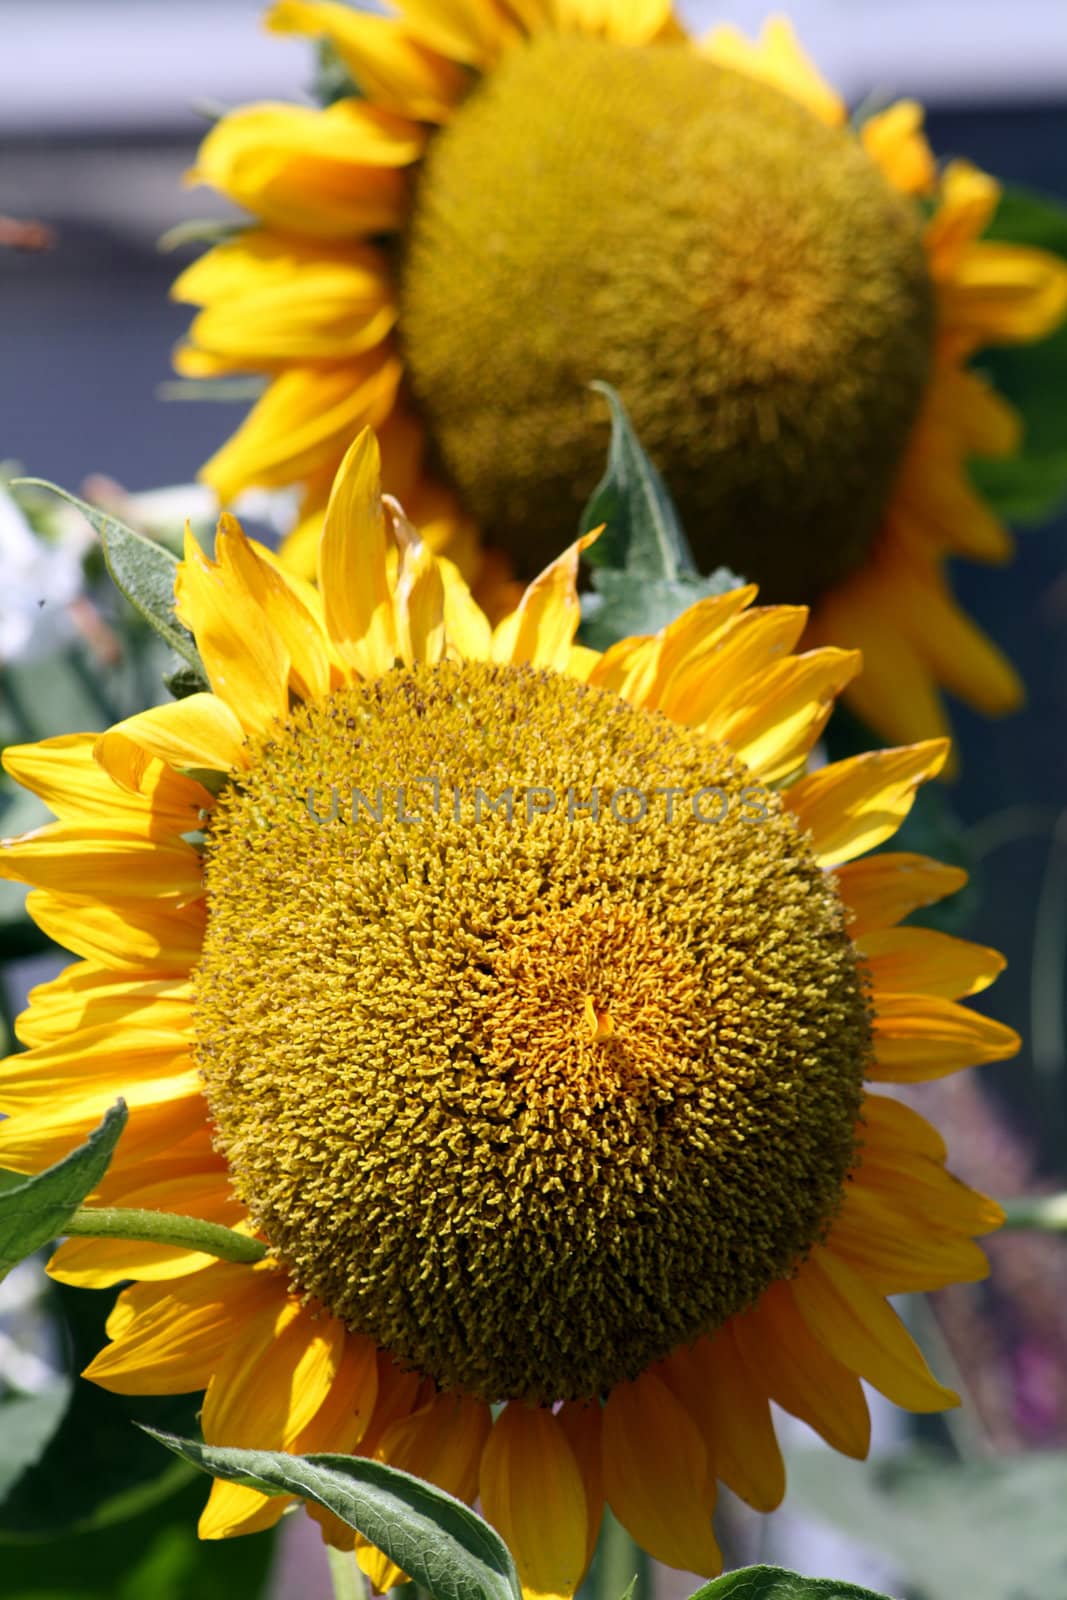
<point>787,304</point>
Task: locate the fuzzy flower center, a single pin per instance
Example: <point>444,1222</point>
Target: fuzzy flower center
<point>742,274</point>
<point>531,1093</point>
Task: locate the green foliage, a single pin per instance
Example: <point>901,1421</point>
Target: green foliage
<point>985,1529</point>
<point>37,1209</point>
<point>153,1555</point>
<point>775,1583</point>
<point>644,575</point>
<point>89,1468</point>
<point>142,569</point>
<point>1031,486</point>
<point>438,1541</point>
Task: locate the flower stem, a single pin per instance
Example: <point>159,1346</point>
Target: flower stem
<point>163,1227</point>
<point>622,1569</point>
<point>345,1576</point>
<point>1045,1212</point>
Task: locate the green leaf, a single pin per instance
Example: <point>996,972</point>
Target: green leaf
<point>37,1209</point>
<point>985,1529</point>
<point>775,1583</point>
<point>141,568</point>
<point>1031,486</point>
<point>437,1540</point>
<point>643,535</point>
<point>625,604</point>
<point>27,1423</point>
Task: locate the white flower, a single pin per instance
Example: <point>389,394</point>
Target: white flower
<point>40,582</point>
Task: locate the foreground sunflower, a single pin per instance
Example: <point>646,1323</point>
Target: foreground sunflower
<point>502,989</point>
<point>534,194</point>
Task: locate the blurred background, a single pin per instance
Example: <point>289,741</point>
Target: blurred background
<point>102,103</point>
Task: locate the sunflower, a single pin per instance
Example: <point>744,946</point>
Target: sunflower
<point>511,995</point>
<point>532,194</point>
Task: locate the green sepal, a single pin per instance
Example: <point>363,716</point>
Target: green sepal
<point>642,535</point>
<point>776,1583</point>
<point>142,569</point>
<point>437,1540</point>
<point>644,574</point>
<point>1031,486</point>
<point>37,1209</point>
<point>228,391</point>
<point>332,80</point>
<point>200,230</point>
<point>184,681</point>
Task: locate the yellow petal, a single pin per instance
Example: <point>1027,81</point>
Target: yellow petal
<point>332,172</point>
<point>163,1111</point>
<point>795,697</point>
<point>884,889</point>
<point>127,933</point>
<point>541,630</point>
<point>968,200</point>
<point>854,805</point>
<point>272,298</point>
<point>246,662</point>
<point>865,1334</point>
<point>896,692</point>
<point>89,996</point>
<point>442,1442</point>
<point>716,680</point>
<point>467,628</point>
<point>920,961</point>
<point>391,67</point>
<point>532,1493</point>
<point>178,1333</point>
<point>801,1374</point>
<point>895,141</point>
<point>232,1509</point>
<point>628,22</point>
<point>657,1475</point>
<point>293,622</point>
<point>92,859</point>
<point>1005,294</point>
<point>353,568</point>
<point>776,58</point>
<point>582,1424</point>
<point>419,604</point>
<point>729,1405</point>
<point>918,1037</point>
<point>92,1058</point>
<point>304,422</point>
<point>200,732</point>
<point>898,1252</point>
<point>100,1263</point>
<point>472,32</point>
<point>66,775</point>
<point>890,1125</point>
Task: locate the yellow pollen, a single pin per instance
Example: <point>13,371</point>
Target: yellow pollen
<point>530,1098</point>
<point>743,275</point>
